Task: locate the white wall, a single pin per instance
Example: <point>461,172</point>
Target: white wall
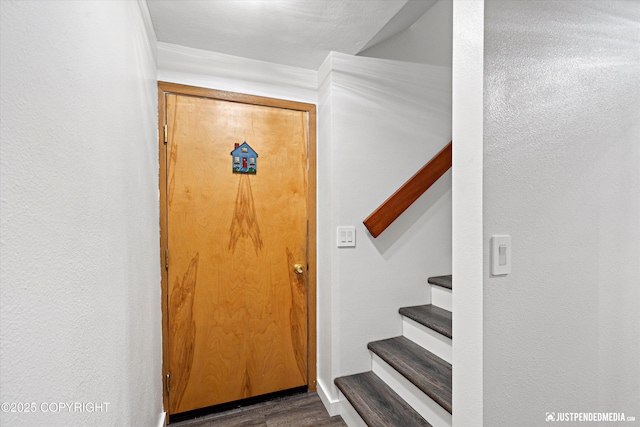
<point>562,177</point>
<point>80,296</point>
<point>380,121</point>
<point>427,41</point>
<point>195,67</point>
<point>328,326</point>
<point>467,111</point>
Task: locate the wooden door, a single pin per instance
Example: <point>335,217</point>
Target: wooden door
<point>237,311</point>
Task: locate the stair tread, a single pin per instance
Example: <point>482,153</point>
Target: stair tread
<point>376,403</point>
<point>425,370</point>
<point>431,316</point>
<point>443,281</point>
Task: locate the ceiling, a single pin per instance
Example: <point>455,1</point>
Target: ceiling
<point>299,33</point>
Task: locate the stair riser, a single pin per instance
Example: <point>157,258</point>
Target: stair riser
<point>428,339</point>
<point>349,414</point>
<point>441,297</point>
<point>431,411</point>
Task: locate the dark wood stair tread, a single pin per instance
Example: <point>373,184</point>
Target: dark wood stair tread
<point>424,369</point>
<point>431,316</point>
<point>443,281</point>
<point>376,403</point>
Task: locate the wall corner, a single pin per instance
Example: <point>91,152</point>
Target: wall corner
<point>467,230</point>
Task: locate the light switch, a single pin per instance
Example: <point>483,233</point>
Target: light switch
<point>346,236</point>
<point>500,255</point>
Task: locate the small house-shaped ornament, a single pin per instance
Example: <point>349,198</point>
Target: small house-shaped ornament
<point>244,158</point>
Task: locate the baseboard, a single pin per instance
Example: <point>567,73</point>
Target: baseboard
<point>331,405</point>
<point>162,421</point>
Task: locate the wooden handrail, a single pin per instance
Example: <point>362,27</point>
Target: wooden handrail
<point>399,201</point>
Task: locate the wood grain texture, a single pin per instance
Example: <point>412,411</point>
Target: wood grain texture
<point>245,221</point>
<point>297,315</point>
<point>376,403</point>
<point>311,247</point>
<point>442,281</point>
<point>409,192</point>
<point>182,329</point>
<point>431,316</point>
<point>303,410</point>
<point>162,180</point>
<point>424,369</point>
<point>234,97</point>
<point>249,312</point>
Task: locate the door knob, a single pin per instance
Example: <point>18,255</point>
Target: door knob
<point>298,268</point>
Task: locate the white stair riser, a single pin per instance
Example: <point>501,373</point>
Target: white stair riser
<point>431,411</point>
<point>428,339</point>
<point>441,297</point>
<point>349,415</point>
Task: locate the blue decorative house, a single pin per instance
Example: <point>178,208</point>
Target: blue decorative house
<point>244,158</point>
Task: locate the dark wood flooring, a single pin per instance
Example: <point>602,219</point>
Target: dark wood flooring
<point>424,369</point>
<point>444,281</point>
<point>300,410</point>
<point>377,403</point>
<point>431,316</point>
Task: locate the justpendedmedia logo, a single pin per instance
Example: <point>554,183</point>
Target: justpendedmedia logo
<point>588,417</point>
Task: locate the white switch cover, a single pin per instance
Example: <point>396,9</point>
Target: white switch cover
<point>500,255</point>
<point>346,236</point>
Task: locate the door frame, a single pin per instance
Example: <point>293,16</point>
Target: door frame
<point>165,88</point>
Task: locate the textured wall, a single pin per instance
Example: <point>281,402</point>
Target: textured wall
<point>80,297</point>
<point>184,65</point>
<point>327,318</point>
<point>427,41</point>
<point>467,239</point>
<point>562,177</point>
<point>381,121</point>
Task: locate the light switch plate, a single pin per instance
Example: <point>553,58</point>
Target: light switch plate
<point>346,236</point>
<point>500,255</point>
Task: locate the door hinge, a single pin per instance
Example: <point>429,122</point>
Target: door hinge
<point>166,259</point>
<point>168,381</point>
<point>165,133</point>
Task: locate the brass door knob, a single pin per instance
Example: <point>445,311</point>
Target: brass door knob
<point>298,268</point>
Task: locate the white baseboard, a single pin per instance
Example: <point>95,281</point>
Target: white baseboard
<point>162,421</point>
<point>331,405</point>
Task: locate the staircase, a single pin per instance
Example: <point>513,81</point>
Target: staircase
<point>410,379</point>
